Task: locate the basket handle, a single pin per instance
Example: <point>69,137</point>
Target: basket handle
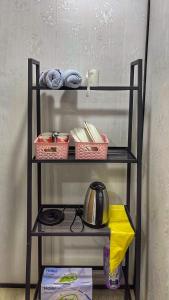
<point>51,149</point>
<point>91,148</point>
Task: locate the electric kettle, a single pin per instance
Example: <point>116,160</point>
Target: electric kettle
<point>96,206</point>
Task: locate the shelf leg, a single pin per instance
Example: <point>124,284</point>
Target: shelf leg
<point>29,183</point>
<point>130,125</point>
<point>39,238</point>
<point>127,294</point>
<point>39,179</point>
<point>138,236</point>
<point>28,269</point>
<point>139,185</point>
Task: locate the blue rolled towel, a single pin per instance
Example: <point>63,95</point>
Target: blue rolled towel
<point>51,78</point>
<point>72,78</point>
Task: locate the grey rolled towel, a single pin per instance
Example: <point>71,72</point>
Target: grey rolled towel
<point>42,77</point>
<point>72,78</point>
<point>52,78</point>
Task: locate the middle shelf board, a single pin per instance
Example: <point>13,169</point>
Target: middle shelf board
<point>63,229</point>
<point>115,155</point>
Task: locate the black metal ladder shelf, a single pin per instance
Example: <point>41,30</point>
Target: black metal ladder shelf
<point>115,155</point>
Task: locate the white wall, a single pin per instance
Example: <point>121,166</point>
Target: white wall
<point>84,34</point>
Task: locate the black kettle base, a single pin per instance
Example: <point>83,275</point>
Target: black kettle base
<point>95,226</point>
<point>51,217</point>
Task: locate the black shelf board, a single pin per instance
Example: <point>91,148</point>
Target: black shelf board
<point>63,229</point>
<point>101,286</point>
<point>94,88</point>
<point>115,155</point>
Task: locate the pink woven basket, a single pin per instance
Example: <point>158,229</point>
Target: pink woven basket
<point>53,150</point>
<point>92,150</point>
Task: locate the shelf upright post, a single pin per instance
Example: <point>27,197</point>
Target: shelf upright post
<point>139,183</point>
<point>39,184</point>
<point>29,182</point>
<point>130,122</point>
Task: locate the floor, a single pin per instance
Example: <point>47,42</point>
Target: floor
<point>18,294</point>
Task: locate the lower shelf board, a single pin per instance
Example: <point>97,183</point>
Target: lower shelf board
<point>63,229</point>
<point>102,286</point>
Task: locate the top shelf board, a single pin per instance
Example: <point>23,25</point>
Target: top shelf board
<point>93,88</point>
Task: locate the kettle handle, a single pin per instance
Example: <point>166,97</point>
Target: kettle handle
<point>99,207</point>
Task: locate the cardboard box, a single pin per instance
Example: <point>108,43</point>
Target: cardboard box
<point>66,284</point>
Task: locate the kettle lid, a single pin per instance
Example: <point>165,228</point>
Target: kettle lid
<point>97,185</point>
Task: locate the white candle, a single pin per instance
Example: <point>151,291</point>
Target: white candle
<point>92,78</point>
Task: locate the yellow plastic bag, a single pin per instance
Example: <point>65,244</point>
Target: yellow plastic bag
<point>121,235</point>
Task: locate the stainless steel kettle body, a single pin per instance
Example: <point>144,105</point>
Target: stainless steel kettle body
<point>96,206</point>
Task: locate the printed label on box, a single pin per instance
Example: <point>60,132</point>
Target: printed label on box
<point>66,284</point>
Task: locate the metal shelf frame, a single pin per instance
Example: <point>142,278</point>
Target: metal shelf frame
<point>115,155</point>
<point>93,88</point>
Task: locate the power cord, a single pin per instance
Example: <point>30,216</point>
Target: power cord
<point>78,213</point>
